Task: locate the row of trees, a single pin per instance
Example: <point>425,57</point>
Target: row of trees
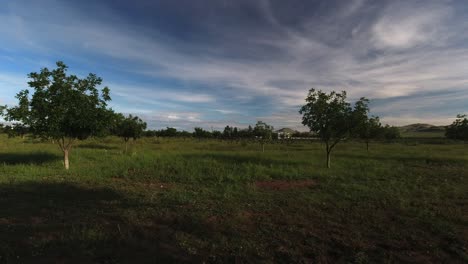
<point>261,130</point>
<point>333,119</point>
<point>15,130</point>
<point>64,108</point>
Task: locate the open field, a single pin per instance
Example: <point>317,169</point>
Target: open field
<point>422,131</point>
<point>416,134</point>
<point>174,200</point>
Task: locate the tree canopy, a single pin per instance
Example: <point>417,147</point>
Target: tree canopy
<point>458,129</point>
<point>128,127</point>
<point>370,129</point>
<point>62,107</point>
<point>263,130</point>
<point>331,117</point>
<point>201,133</point>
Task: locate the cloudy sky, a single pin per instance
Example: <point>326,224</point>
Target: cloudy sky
<point>205,63</point>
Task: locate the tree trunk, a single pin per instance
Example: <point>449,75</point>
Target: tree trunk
<point>263,147</point>
<point>65,147</point>
<point>65,159</point>
<point>328,149</point>
<point>367,146</point>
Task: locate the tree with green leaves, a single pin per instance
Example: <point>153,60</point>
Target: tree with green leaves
<point>63,107</point>
<point>390,133</point>
<point>201,133</point>
<point>458,129</point>
<point>227,132</point>
<point>217,134</point>
<point>168,132</point>
<point>370,129</point>
<point>263,132</point>
<point>130,127</point>
<point>331,117</point>
<point>17,130</point>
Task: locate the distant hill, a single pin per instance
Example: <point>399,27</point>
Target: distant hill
<point>287,130</point>
<point>422,130</point>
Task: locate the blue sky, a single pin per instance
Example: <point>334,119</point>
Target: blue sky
<point>214,63</point>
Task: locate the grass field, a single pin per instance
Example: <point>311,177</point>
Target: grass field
<point>415,134</point>
<point>221,202</point>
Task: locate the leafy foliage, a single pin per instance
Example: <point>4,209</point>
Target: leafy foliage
<point>62,107</point>
<point>129,127</point>
<point>391,132</point>
<point>370,129</point>
<point>17,129</point>
<point>201,133</point>
<point>332,118</point>
<point>263,133</point>
<point>263,130</point>
<point>458,129</point>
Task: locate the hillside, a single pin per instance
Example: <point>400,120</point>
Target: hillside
<point>287,130</point>
<point>422,130</point>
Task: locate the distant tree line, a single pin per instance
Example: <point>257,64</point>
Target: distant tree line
<point>15,130</point>
<point>260,130</point>
<point>64,108</point>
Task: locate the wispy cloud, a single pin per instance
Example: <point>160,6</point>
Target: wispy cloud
<point>406,25</point>
<point>223,62</point>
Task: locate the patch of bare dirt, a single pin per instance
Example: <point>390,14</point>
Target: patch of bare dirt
<point>281,185</point>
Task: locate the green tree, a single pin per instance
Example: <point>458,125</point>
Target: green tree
<point>129,127</point>
<point>63,107</point>
<point>2,109</point>
<point>390,132</point>
<point>235,133</point>
<point>201,133</point>
<point>458,129</point>
<point>217,134</point>
<point>18,129</point>
<point>168,132</point>
<point>369,130</point>
<point>331,117</point>
<point>263,132</point>
<point>227,133</point>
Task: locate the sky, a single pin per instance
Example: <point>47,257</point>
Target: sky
<point>212,63</point>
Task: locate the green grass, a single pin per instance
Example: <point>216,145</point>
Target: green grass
<point>174,200</point>
<point>418,134</point>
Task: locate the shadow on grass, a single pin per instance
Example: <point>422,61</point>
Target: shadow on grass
<point>27,158</point>
<point>95,146</point>
<point>65,223</point>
